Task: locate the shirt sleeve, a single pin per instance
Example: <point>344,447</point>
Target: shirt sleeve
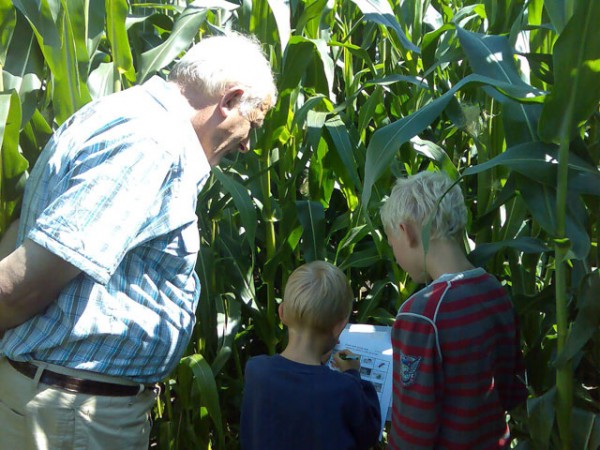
<point>416,389</point>
<point>109,193</point>
<point>367,413</point>
<point>511,370</point>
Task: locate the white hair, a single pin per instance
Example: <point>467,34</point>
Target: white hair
<point>217,63</point>
<point>415,199</point>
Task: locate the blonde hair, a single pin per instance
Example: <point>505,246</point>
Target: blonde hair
<point>415,199</point>
<point>318,296</point>
<point>219,62</point>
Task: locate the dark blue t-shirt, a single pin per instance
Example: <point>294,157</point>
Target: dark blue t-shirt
<point>293,406</point>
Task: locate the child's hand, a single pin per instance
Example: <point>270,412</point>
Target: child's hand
<point>342,363</point>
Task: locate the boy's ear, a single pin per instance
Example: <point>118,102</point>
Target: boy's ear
<point>281,315</point>
<point>230,100</point>
<point>410,233</point>
<point>337,329</point>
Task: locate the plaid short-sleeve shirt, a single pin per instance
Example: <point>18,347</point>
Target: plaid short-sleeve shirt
<point>114,193</point>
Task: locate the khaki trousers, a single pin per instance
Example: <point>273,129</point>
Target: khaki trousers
<point>34,416</point>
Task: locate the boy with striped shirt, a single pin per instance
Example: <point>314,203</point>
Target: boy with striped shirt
<point>457,360</point>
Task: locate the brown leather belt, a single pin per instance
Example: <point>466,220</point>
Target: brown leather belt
<point>78,385</point>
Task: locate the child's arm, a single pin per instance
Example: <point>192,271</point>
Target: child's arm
<point>415,401</point>
<point>346,360</point>
<point>366,413</point>
<point>511,375</point>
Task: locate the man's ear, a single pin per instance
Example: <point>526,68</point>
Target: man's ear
<point>230,100</point>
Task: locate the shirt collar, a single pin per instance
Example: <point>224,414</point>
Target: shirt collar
<point>170,98</point>
<point>460,275</point>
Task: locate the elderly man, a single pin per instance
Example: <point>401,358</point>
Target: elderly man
<point>98,300</point>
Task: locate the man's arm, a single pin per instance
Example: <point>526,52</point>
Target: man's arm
<point>31,278</point>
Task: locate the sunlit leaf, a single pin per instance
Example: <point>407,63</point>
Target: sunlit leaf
<point>281,12</point>
<point>312,217</point>
<point>576,73</point>
<point>56,41</point>
<point>344,149</point>
<point>101,80</point>
<point>437,154</point>
<point>395,78</point>
<point>380,11</point>
<point>311,17</point>
<point>116,12</point>
<point>238,270</point>
<point>559,11</point>
<point>13,165</point>
<point>539,162</point>
<point>298,53</point>
<point>28,89</point>
<point>8,19</point>
<point>242,201</point>
<point>205,382</point>
<point>77,12</point>
<point>184,30</point>
<point>387,140</point>
<point>492,56</point>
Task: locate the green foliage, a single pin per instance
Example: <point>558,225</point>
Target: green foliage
<point>501,95</point>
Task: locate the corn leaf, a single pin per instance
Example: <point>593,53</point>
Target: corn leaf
<point>576,73</point>
<point>380,12</point>
<point>116,13</point>
<point>491,56</point>
<point>8,19</point>
<point>13,164</point>
<point>209,396</point>
<point>587,321</point>
<point>185,29</point>
<point>312,217</point>
<point>243,202</point>
<point>541,417</point>
<point>52,27</point>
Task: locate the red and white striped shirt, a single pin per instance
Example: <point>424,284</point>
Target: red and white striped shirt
<point>458,366</point>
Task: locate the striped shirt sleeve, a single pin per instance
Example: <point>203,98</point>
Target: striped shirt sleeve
<point>417,385</point>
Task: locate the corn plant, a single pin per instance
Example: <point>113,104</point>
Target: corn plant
<point>501,95</point>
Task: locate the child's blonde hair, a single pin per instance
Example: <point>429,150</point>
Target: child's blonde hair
<point>317,295</point>
<point>415,199</point>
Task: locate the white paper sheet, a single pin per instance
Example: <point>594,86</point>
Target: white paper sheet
<point>374,345</point>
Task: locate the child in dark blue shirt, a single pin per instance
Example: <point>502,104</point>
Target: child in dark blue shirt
<point>293,401</point>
